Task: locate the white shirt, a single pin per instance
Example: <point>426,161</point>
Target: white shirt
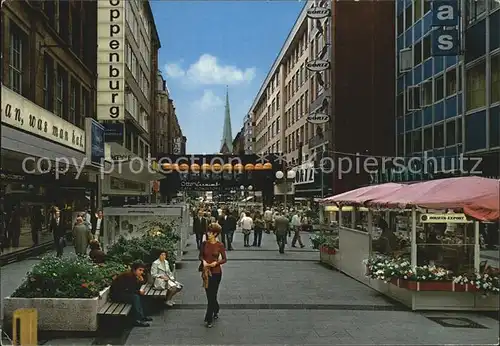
<point>98,228</point>
<point>295,220</point>
<point>219,211</point>
<point>246,223</point>
<point>268,215</point>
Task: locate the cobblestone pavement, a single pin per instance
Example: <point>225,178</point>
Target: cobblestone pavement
<point>270,298</point>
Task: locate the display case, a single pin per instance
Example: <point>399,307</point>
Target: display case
<point>132,221</point>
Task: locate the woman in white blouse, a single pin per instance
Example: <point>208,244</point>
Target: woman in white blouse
<point>164,278</point>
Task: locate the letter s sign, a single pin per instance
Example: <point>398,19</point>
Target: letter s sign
<point>445,42</point>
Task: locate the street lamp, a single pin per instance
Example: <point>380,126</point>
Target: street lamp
<point>249,189</point>
<point>287,176</point>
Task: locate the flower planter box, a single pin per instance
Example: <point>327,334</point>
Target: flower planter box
<point>60,314</point>
<point>443,286</point>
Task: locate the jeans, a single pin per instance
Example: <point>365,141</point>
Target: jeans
<point>135,301</point>
<point>59,244</point>
<point>296,237</point>
<point>227,239</point>
<point>212,290</point>
<point>257,237</point>
<point>199,240</point>
<point>281,240</point>
<point>246,239</point>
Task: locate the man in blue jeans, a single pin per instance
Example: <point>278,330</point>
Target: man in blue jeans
<point>126,288</point>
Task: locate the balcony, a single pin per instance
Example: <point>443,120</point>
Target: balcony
<point>319,140</point>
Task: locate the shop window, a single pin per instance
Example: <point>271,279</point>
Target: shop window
<point>439,88</point>
<point>48,83</point>
<point>408,139</point>
<point>439,136</point>
<point>426,47</point>
<point>417,141</point>
<point>451,137</point>
<point>495,78</point>
<point>476,86</point>
<point>426,88</point>
<point>451,82</point>
<point>428,138</point>
<point>408,17</point>
<point>417,53</point>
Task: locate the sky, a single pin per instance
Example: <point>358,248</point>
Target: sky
<point>211,46</point>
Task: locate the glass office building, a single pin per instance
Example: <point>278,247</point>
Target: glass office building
<point>448,105</point>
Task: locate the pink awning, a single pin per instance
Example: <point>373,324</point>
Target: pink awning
<point>363,194</point>
<point>478,197</point>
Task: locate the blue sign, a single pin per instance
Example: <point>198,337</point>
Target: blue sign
<point>445,13</point>
<point>445,42</point>
<point>97,143</point>
<point>113,132</point>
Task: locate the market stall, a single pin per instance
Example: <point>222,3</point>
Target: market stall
<point>421,242</point>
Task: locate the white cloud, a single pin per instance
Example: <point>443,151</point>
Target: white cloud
<point>207,71</point>
<point>174,71</point>
<point>209,102</point>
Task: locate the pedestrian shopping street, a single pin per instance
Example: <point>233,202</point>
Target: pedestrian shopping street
<point>269,298</point>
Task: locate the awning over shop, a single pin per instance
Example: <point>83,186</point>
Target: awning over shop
<point>476,196</point>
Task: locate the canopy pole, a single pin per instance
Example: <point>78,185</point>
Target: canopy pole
<point>353,218</point>
<point>477,249</point>
<point>370,231</point>
<point>413,237</point>
<point>340,216</point>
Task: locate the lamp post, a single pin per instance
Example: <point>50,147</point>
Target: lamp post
<point>249,189</point>
<point>286,176</point>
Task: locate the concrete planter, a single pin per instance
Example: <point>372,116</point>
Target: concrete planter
<point>60,314</point>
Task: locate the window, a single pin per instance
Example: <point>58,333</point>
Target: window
<point>439,88</point>
<point>427,6</point>
<point>451,137</point>
<point>439,136</point>
<point>428,138</point>
<point>418,9</point>
<point>17,57</point>
<point>408,17</point>
<point>400,145</point>
<point>427,93</point>
<point>84,106</point>
<point>426,47</point>
<point>76,22</point>
<point>476,86</point>
<point>417,53</point>
<point>278,101</point>
<point>495,78</point>
<point>413,98</point>
<point>59,105</point>
<point>417,140</point>
<point>48,83</point>
<point>408,142</point>
<point>400,105</point>
<point>451,82</point>
<point>400,23</point>
<point>278,121</point>
<point>475,9</point>
<point>306,100</point>
<point>494,4</point>
<point>72,103</point>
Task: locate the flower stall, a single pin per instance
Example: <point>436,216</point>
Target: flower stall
<point>421,242</point>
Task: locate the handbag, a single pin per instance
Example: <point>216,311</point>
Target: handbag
<point>202,249</point>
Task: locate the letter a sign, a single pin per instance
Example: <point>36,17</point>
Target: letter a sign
<point>445,13</point>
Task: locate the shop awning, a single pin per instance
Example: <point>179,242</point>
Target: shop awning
<point>363,195</point>
<point>476,196</point>
<point>333,208</point>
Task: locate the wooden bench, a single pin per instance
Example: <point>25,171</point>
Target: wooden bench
<point>115,309</point>
<point>149,291</point>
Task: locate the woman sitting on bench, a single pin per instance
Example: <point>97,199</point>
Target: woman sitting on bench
<point>164,278</point>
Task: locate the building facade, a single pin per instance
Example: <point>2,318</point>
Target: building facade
<point>448,105</point>
<point>166,133</point>
<point>128,44</point>
<point>239,143</point>
<point>248,134</point>
<point>48,98</point>
<point>307,111</point>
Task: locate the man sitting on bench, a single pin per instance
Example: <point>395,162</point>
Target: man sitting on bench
<point>126,288</point>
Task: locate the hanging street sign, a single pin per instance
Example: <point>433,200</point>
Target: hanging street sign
<point>318,118</point>
<point>318,65</point>
<point>318,12</point>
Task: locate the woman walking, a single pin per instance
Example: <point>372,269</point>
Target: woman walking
<point>212,256</point>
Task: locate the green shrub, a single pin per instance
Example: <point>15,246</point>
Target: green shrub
<point>325,239</point>
<point>67,277</point>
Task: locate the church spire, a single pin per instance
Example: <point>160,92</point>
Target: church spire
<point>227,136</point>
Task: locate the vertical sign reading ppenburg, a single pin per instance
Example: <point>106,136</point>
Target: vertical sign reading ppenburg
<point>110,59</point>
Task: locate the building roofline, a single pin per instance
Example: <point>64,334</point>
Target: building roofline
<point>284,48</point>
<point>153,26</point>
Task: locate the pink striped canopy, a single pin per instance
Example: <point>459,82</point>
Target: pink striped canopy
<point>476,196</point>
<point>363,195</point>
